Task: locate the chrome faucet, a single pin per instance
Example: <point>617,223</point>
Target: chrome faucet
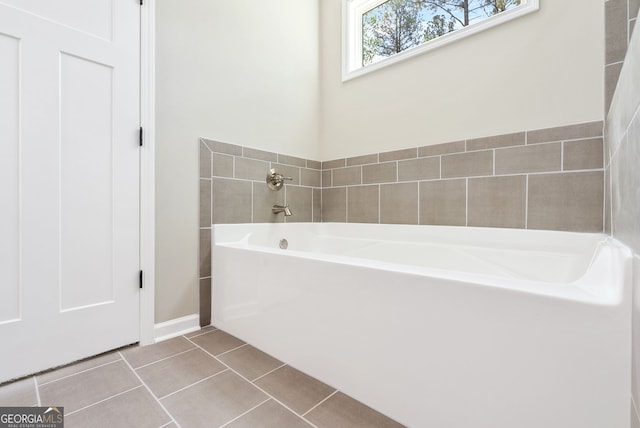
<point>281,209</point>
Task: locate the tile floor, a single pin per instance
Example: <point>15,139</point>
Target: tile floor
<point>203,379</point>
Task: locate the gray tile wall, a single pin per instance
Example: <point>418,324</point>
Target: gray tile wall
<point>622,196</point>
<point>233,190</point>
<point>540,179</point>
<point>620,20</point>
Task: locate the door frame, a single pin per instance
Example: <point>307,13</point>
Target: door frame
<point>147,170</point>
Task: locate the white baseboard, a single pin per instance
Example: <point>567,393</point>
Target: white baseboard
<point>176,327</point>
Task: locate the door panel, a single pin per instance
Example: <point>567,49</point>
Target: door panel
<point>86,196</point>
<point>69,144</point>
<point>9,183</point>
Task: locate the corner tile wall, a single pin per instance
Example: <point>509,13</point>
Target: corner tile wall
<point>620,20</point>
<point>233,190</point>
<point>541,179</point>
<point>622,162</point>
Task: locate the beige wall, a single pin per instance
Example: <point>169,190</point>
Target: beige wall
<point>267,75</point>
<point>539,71</point>
<point>241,71</point>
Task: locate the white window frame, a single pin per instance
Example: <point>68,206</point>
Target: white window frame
<point>352,11</point>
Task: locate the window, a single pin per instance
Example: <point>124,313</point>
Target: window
<point>377,33</point>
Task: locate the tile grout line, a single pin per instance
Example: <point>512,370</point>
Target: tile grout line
<point>103,400</point>
<point>231,350</point>
<point>149,390</point>
<point>321,401</point>
<point>80,372</point>
<point>164,359</point>
<point>256,386</point>
<point>244,413</point>
<point>192,384</point>
<point>202,333</point>
<point>269,372</point>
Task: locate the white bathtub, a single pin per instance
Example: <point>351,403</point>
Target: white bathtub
<point>438,327</point>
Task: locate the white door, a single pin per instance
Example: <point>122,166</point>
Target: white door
<point>69,180</point>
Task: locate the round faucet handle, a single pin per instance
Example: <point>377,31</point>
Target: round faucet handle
<point>275,180</point>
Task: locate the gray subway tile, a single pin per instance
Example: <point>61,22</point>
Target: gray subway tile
<point>300,200</point>
<point>251,169</point>
<point>583,154</point>
<point>334,204</point>
<point>326,178</point>
<point>204,251</point>
<point>263,201</point>
<point>310,177</point>
<point>336,163</point>
<point>288,171</point>
<point>497,201</point>
<point>419,169</point>
<point>231,201</point>
<point>467,164</point>
<point>340,410</point>
<point>204,300</point>
<point>634,6</point>
<point>317,205</point>
<point>362,160</point>
<point>442,149</point>
<point>205,161</point>
<point>625,198</point>
<point>291,160</point>
<point>347,176</point>
<point>444,202</point>
<point>362,204</point>
<point>505,140</point>
<point>295,389</point>
<point>616,21</point>
<point>563,133</point>
<point>205,202</point>
<point>611,76</point>
<point>399,203</point>
<point>398,155</point>
<point>259,154</point>
<point>222,165</point>
<point>220,147</point>
<point>533,158</point>
<point>380,173</point>
<point>566,201</point>
<point>314,164</point>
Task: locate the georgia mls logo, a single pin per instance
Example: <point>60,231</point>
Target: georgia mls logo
<point>31,417</point>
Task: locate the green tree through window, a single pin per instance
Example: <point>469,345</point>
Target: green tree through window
<point>397,25</point>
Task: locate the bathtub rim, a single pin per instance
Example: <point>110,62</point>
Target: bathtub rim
<point>606,265</point>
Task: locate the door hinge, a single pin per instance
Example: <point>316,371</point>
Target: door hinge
<point>140,279</point>
<point>141,136</point>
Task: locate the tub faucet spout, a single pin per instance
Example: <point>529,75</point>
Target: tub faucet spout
<point>282,209</point>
